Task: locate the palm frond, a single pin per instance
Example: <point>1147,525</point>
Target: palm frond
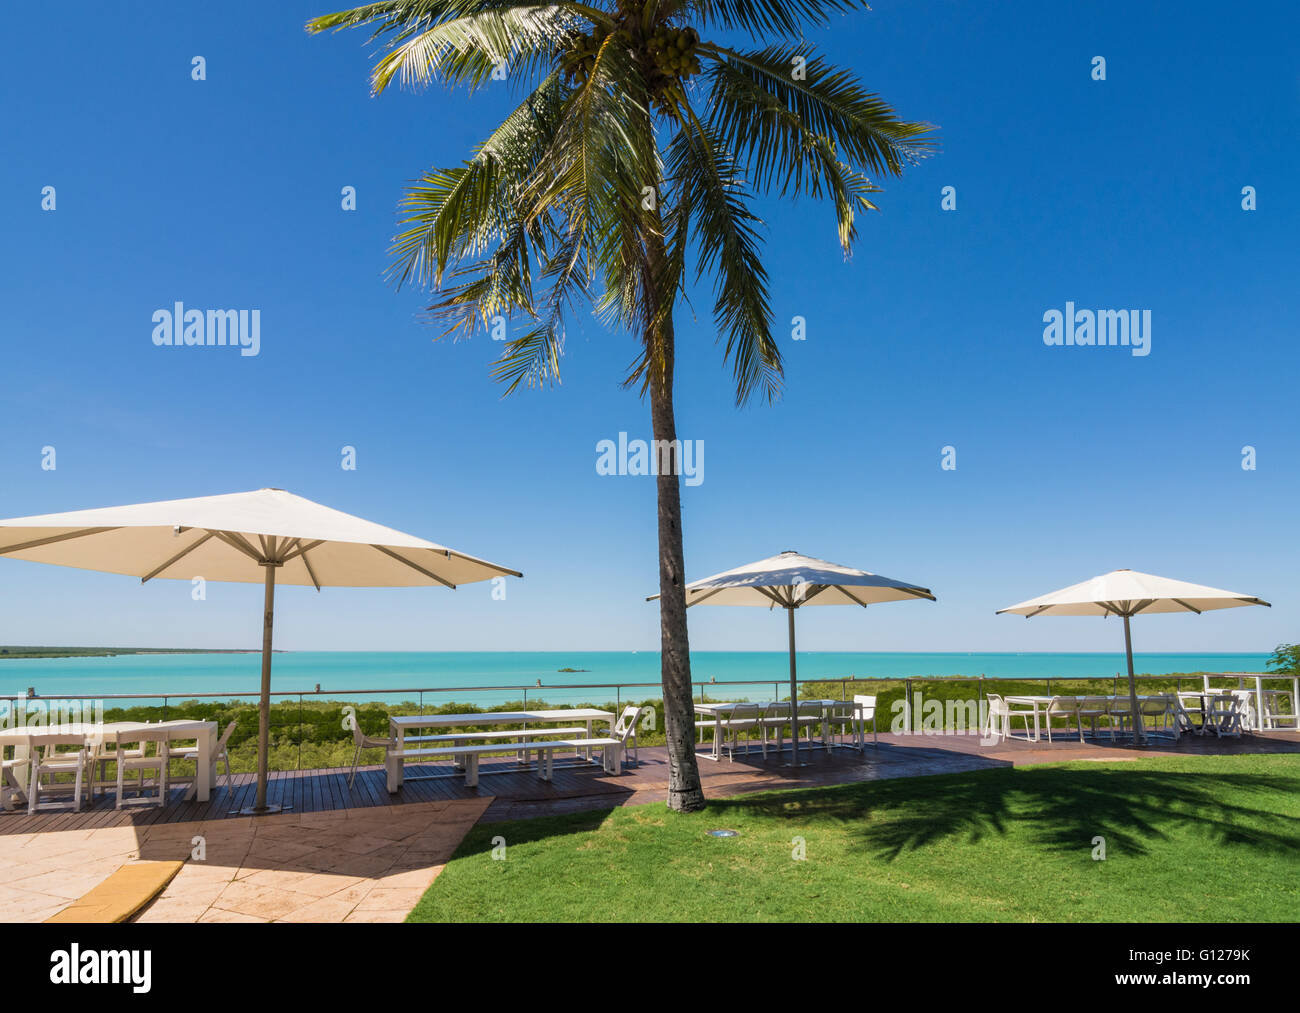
<point>765,18</point>
<point>831,103</point>
<point>727,241</point>
<point>466,50</point>
<point>784,152</point>
<point>459,212</point>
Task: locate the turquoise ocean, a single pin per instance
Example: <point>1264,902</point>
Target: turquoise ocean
<point>490,676</point>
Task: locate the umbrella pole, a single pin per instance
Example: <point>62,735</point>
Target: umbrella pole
<point>1132,686</point>
<point>794,696</point>
<point>259,806</point>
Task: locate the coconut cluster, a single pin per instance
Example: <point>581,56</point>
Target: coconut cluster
<point>673,52</point>
<point>671,49</point>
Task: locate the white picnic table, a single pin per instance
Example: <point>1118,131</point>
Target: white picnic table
<point>719,710</point>
<point>1261,708</point>
<point>399,725</point>
<point>97,734</point>
<point>1040,701</point>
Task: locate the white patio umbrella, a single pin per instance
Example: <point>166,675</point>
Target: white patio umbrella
<point>791,581</point>
<point>1125,593</point>
<point>268,536</point>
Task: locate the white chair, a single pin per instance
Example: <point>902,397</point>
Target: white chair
<point>614,750</point>
<point>1274,715</point>
<point>1092,709</point>
<point>744,717</point>
<point>1250,718</point>
<point>625,730</point>
<point>1225,715</point>
<point>364,741</point>
<point>867,712</point>
<point>10,786</point>
<point>993,725</point>
<point>1158,708</point>
<point>1063,707</point>
<point>1000,716</point>
<point>775,716</point>
<point>844,715</point>
<point>1190,704</point>
<point>811,716</point>
<point>47,757</point>
<point>141,761</point>
<point>1120,712</point>
<point>221,754</point>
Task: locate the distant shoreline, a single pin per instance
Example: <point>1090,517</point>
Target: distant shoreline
<point>19,653</point>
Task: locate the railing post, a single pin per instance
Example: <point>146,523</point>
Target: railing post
<point>300,731</point>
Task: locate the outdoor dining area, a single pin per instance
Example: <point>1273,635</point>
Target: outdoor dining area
<point>1208,711</point>
<point>765,725</point>
<point>66,764</point>
<point>273,538</point>
<point>463,740</point>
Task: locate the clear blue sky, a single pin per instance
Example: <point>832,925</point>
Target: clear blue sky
<point>1070,461</point>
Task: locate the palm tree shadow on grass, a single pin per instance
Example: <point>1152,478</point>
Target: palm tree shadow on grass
<point>518,832</point>
<point>1057,809</point>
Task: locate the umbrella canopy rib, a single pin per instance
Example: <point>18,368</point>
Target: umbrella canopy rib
<point>702,598</point>
<point>414,566</point>
<point>302,550</point>
<point>66,536</point>
<point>307,564</point>
<point>850,595</point>
<point>176,558</point>
<point>239,543</point>
<point>503,570</point>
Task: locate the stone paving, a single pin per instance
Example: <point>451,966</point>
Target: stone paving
<point>346,865</point>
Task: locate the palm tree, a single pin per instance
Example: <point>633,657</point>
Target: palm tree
<point>637,147</point>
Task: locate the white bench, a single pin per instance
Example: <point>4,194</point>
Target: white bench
<point>503,736</point>
<point>611,755</point>
<point>516,733</point>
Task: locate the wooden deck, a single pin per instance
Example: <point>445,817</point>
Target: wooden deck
<point>518,793</point>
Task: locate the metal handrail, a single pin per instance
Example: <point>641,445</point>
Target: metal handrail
<point>700,685</point>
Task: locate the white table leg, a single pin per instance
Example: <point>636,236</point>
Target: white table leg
<point>394,763</point>
<point>203,769</point>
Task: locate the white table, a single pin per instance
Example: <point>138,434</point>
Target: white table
<point>1043,701</point>
<point>399,725</point>
<point>1030,701</point>
<point>721,710</point>
<point>97,735</point>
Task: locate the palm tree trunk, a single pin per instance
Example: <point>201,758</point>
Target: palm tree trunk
<point>685,793</point>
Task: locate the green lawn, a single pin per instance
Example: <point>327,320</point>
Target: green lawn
<point>1187,839</point>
